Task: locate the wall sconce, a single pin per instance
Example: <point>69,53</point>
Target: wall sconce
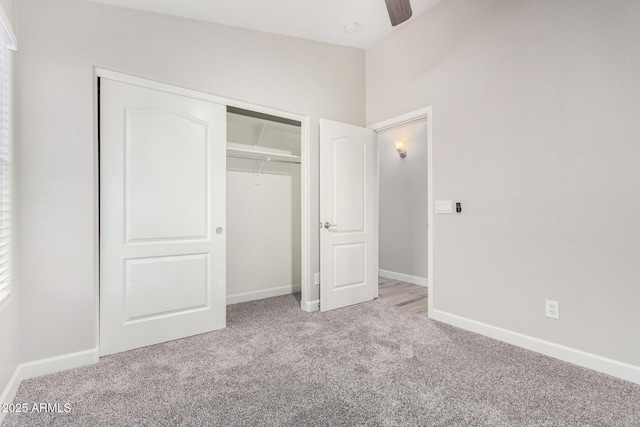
<point>400,149</point>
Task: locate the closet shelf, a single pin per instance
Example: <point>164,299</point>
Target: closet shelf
<point>262,155</point>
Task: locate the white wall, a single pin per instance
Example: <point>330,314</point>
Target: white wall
<point>9,308</point>
<point>403,200</point>
<point>535,106</point>
<point>263,230</point>
<point>10,352</point>
<point>8,6</point>
<point>61,42</point>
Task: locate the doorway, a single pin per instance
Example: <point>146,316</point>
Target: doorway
<point>406,209</point>
<point>263,206</point>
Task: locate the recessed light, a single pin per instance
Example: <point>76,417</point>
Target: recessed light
<point>351,28</point>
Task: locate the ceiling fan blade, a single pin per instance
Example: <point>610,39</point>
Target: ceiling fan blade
<point>399,11</point>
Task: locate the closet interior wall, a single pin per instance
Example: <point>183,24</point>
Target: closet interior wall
<point>263,208</point>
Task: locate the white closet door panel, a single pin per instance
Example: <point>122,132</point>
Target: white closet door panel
<point>150,289</point>
<point>167,170</point>
<point>162,196</point>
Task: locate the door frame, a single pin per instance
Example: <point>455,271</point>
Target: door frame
<point>305,177</point>
<point>404,119</point>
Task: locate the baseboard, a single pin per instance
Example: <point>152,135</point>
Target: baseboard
<point>311,306</point>
<point>10,391</point>
<point>43,367</point>
<point>261,294</point>
<point>58,363</point>
<point>568,354</point>
<point>415,280</point>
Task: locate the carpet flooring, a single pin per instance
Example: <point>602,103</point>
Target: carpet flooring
<point>370,364</point>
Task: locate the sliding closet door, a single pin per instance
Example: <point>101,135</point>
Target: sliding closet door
<point>162,216</point>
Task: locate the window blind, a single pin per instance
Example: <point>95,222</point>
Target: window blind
<point>5,170</point>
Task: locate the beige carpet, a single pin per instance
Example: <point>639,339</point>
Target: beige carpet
<point>370,364</point>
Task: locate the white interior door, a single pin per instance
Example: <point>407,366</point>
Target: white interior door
<point>162,216</point>
<point>348,201</point>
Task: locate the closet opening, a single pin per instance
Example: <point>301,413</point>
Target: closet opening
<point>264,206</point>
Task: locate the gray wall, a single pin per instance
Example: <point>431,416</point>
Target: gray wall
<point>9,308</point>
<point>60,43</point>
<point>403,200</point>
<point>535,106</point>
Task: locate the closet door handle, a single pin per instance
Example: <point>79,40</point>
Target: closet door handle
<point>219,230</point>
<point>328,225</point>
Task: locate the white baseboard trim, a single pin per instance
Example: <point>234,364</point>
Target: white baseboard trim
<point>311,306</point>
<point>261,294</point>
<point>43,367</point>
<point>568,354</point>
<point>9,392</point>
<point>58,363</point>
<point>415,280</point>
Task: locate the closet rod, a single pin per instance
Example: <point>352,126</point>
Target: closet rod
<point>263,116</point>
<point>263,159</point>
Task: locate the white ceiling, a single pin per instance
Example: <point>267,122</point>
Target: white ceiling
<point>321,20</point>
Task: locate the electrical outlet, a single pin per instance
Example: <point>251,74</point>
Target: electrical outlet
<point>552,309</point>
<point>316,279</point>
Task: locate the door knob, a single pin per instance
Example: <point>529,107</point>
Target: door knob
<point>219,230</point>
<point>329,225</point>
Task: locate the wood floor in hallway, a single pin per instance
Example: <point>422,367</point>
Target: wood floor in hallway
<point>404,295</point>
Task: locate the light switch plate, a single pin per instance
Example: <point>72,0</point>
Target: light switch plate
<point>444,206</point>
